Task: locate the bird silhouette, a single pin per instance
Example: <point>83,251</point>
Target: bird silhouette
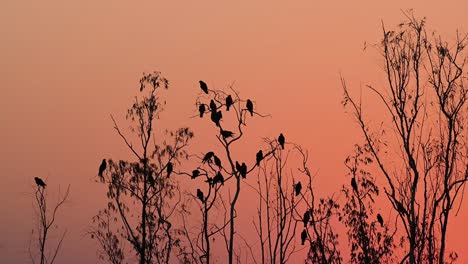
<point>200,195</point>
<point>208,156</point>
<point>40,182</point>
<point>201,109</point>
<point>218,178</point>
<point>380,219</point>
<point>354,185</point>
<point>243,170</point>
<point>249,106</point>
<point>229,102</point>
<point>217,161</point>
<point>102,167</point>
<point>226,133</point>
<point>281,140</point>
<point>212,106</point>
<point>203,86</point>
<point>150,178</point>
<point>303,236</point>
<point>195,174</point>
<point>298,188</point>
<point>306,218</point>
<point>259,157</point>
<point>169,169</point>
<point>400,207</point>
<point>216,117</point>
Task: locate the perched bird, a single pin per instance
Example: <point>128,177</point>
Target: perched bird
<point>218,178</point>
<point>212,106</point>
<point>259,157</point>
<point>217,161</point>
<point>208,156</point>
<point>400,207</point>
<point>243,170</point>
<point>102,167</point>
<point>203,86</point>
<point>201,109</point>
<point>200,195</point>
<point>380,219</point>
<point>169,169</point>
<point>238,166</point>
<point>40,182</point>
<point>306,218</point>
<point>216,117</point>
<point>354,184</point>
<point>195,173</point>
<point>281,140</point>
<point>229,102</point>
<point>298,188</point>
<point>150,178</point>
<point>226,133</point>
<point>303,236</point>
<point>249,106</point>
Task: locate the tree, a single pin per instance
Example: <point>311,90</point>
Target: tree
<point>425,98</point>
<point>142,195</point>
<point>46,221</point>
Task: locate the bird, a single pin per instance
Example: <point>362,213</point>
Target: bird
<point>226,133</point>
<point>102,167</point>
<point>243,170</point>
<point>218,178</point>
<point>400,207</point>
<point>217,161</point>
<point>216,117</point>
<point>40,182</point>
<point>195,173</point>
<point>150,178</point>
<point>169,169</point>
<point>249,105</point>
<point>298,188</point>
<point>259,157</point>
<point>303,236</point>
<point>201,109</point>
<point>238,166</point>
<point>306,218</point>
<point>208,156</point>
<point>229,102</point>
<point>212,106</point>
<point>200,195</point>
<point>354,184</point>
<point>203,86</point>
<point>380,219</point>
<point>281,140</point>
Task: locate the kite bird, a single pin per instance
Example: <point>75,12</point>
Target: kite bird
<point>259,157</point>
<point>208,156</point>
<point>212,106</point>
<point>306,218</point>
<point>354,185</point>
<point>298,188</point>
<point>103,167</point>
<point>229,102</point>
<point>201,109</point>
<point>303,236</point>
<point>200,195</point>
<point>380,219</point>
<point>226,133</point>
<point>169,169</point>
<point>217,161</point>
<point>218,178</point>
<point>281,140</point>
<point>40,182</point>
<point>203,86</point>
<point>195,174</point>
<point>216,117</point>
<point>249,106</point>
<point>242,169</point>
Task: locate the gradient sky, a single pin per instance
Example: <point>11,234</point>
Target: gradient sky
<point>66,65</point>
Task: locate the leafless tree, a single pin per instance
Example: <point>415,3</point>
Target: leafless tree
<point>46,222</point>
<point>425,98</point>
<point>142,195</point>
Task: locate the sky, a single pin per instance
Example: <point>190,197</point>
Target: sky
<point>65,66</point>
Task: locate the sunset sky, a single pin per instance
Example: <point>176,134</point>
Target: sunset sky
<point>65,66</point>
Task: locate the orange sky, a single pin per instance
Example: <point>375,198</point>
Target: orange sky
<point>66,65</point>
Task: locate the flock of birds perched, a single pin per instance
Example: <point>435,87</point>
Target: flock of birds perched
<point>241,168</point>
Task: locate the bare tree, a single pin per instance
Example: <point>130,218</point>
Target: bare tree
<point>425,98</point>
<point>142,195</point>
<point>46,222</point>
<point>369,235</point>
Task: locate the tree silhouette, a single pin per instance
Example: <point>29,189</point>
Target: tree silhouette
<point>46,221</point>
<point>425,98</point>
<point>142,198</point>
